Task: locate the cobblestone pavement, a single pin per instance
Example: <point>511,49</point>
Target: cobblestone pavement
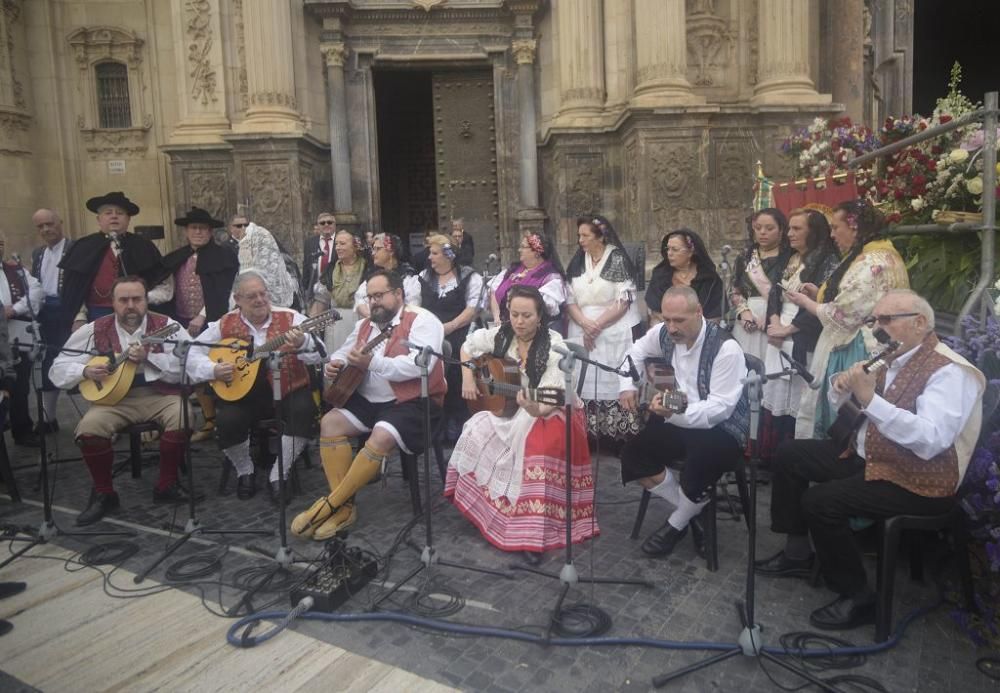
<point>687,602</point>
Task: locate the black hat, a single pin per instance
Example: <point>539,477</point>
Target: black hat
<point>198,215</point>
<point>118,199</point>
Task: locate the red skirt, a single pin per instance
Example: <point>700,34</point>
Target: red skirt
<point>537,521</point>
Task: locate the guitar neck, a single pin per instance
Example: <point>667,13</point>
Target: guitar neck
<point>277,342</point>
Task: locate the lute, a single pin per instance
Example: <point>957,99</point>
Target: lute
<point>350,377</point>
<point>111,389</point>
<point>499,381</point>
<point>849,415</point>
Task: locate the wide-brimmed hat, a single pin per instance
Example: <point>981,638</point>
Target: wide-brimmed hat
<point>197,215</point>
<point>118,199</point>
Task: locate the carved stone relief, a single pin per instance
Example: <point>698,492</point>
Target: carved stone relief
<point>11,89</point>
<point>711,44</point>
<point>734,173</point>
<point>206,188</point>
<point>631,184</point>
<point>753,41</point>
<point>197,26</point>
<point>269,185</point>
<point>14,133</point>
<point>583,175</point>
<point>120,142</point>
<point>306,188</point>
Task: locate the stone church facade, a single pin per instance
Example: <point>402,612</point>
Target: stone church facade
<point>400,115</point>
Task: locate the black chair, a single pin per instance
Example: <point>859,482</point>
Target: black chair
<point>135,456</point>
<point>263,451</point>
<point>709,513</point>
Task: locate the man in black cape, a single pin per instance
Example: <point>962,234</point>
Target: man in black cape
<point>91,266</point>
<point>202,273</point>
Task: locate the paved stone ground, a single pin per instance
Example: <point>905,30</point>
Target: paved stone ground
<point>687,603</point>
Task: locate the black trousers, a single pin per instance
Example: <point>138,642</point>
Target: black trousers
<point>20,411</point>
<point>707,454</point>
<point>55,331</point>
<point>234,420</point>
<point>825,509</point>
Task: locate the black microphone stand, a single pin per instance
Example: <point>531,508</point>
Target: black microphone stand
<point>193,526</point>
<point>478,319</point>
<point>725,274</point>
<point>48,530</point>
<point>428,555</point>
<point>749,642</point>
<point>568,575</point>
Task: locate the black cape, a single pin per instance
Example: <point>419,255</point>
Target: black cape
<point>80,264</point>
<point>217,267</point>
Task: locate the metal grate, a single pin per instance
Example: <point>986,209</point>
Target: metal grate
<point>113,108</point>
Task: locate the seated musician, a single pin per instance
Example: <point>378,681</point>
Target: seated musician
<point>255,321</point>
<point>386,405</point>
<point>922,418</point>
<point>709,433</point>
<point>507,475</point>
<point>153,396</point>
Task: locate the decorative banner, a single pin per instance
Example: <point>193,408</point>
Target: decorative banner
<point>762,195</point>
<point>816,193</point>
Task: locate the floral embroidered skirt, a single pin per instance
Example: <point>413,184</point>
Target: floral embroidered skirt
<point>536,521</point>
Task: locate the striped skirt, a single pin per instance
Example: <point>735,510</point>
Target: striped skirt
<point>536,521</point>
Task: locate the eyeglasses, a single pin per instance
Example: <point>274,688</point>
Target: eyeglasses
<point>239,226</point>
<point>254,297</point>
<point>884,320</point>
<point>377,297</point>
<point>327,222</point>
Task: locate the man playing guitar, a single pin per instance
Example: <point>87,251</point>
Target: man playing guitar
<point>709,433</point>
<point>255,321</point>
<point>153,395</point>
<point>386,404</point>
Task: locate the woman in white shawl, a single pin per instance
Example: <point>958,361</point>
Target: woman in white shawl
<point>258,251</point>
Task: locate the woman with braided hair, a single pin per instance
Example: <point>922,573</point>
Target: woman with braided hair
<point>869,268</point>
<point>507,476</point>
<point>387,254</point>
<point>538,266</point>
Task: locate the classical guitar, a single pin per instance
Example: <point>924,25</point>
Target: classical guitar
<point>499,380</point>
<point>849,415</point>
<point>349,378</point>
<point>246,358</point>
<point>111,389</point>
<point>658,378</point>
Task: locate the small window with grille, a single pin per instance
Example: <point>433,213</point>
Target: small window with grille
<point>113,108</point>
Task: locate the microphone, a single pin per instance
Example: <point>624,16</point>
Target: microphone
<point>812,382</point>
<point>632,371</point>
<point>726,249</point>
<point>335,315</point>
<point>569,349</point>
<point>413,345</point>
<point>492,258</point>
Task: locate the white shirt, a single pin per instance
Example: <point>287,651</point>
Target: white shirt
<point>943,408</point>
<point>472,289</point>
<point>18,329</point>
<point>201,368</point>
<point>724,384</point>
<point>49,271</point>
<point>425,330</point>
<point>67,370</point>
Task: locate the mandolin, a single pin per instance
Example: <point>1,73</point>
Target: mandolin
<point>659,379</point>
<point>849,415</point>
<point>349,378</point>
<point>246,358</point>
<point>111,389</point>
<point>499,380</point>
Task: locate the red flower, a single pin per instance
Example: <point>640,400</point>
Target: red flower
<point>898,194</point>
<point>936,149</point>
<point>932,165</point>
<point>945,118</point>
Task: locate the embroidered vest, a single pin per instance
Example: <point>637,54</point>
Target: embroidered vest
<point>449,306</point>
<point>889,461</point>
<point>100,288</point>
<point>738,423</point>
<point>14,280</point>
<point>106,341</point>
<point>407,389</point>
<point>294,375</point>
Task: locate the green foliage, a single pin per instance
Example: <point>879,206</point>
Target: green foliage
<point>942,268</point>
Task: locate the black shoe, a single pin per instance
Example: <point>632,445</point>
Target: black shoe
<point>5,626</point>
<point>698,535</point>
<point>27,440</point>
<point>844,613</point>
<point>100,505</point>
<point>246,486</point>
<point>174,495</point>
<point>275,492</point>
<point>662,541</point>
<point>779,565</point>
<point>9,589</point>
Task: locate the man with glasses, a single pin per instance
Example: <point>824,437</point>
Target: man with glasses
<point>258,250</point>
<point>922,415</point>
<point>386,405</point>
<point>256,321</point>
<point>318,252</point>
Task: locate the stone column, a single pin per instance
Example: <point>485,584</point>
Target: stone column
<point>619,53</point>
<point>524,54</point>
<point>581,57</point>
<point>783,63</point>
<point>848,43</point>
<point>661,55</point>
<point>201,88</point>
<point>334,55</point>
<point>270,75</point>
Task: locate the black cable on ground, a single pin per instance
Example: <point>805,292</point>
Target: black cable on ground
<point>109,553</point>
<point>989,667</point>
<point>195,567</point>
<point>581,621</point>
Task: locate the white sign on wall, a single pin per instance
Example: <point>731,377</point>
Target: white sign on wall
<point>116,167</point>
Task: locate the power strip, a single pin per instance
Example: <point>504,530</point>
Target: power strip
<point>338,579</point>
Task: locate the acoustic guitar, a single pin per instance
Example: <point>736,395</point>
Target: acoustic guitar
<point>246,358</point>
<point>849,415</point>
<point>499,380</point>
<point>349,378</point>
<point>659,379</point>
<point>110,390</point>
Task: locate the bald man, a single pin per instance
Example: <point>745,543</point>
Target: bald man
<point>55,326</point>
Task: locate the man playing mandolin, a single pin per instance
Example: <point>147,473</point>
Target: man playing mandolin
<point>705,421</point>
<point>386,404</point>
<point>922,416</point>
<point>255,322</point>
<point>152,396</point>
